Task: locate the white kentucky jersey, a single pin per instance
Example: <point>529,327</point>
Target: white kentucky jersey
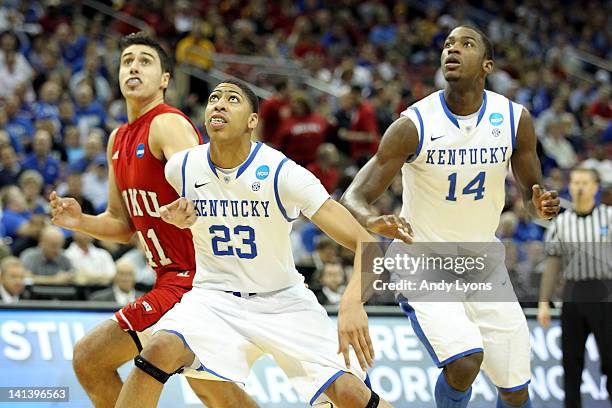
<point>454,185</point>
<point>241,235</point>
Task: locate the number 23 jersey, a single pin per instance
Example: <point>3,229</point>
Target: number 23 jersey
<point>244,217</point>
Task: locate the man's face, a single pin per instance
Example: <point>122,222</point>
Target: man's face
<point>140,73</point>
<point>42,143</point>
<point>228,114</point>
<point>51,245</point>
<point>463,55</point>
<point>125,277</point>
<point>582,185</point>
<point>13,279</point>
<point>333,276</point>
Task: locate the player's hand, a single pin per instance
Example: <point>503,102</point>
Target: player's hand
<point>180,213</point>
<point>353,331</point>
<point>546,203</point>
<point>391,226</point>
<point>65,211</point>
<point>544,314</point>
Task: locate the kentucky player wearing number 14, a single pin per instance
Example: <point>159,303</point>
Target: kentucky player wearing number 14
<point>138,151</point>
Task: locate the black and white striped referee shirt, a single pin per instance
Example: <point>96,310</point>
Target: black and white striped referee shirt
<point>584,243</point>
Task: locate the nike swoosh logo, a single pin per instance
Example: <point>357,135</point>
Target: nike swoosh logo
<point>436,138</point>
<point>196,185</point>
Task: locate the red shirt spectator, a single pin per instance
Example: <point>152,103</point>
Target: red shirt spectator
<point>325,167</point>
<point>272,112</point>
<point>601,107</point>
<point>362,134</point>
<point>302,133</point>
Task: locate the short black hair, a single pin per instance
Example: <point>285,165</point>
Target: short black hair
<point>248,92</point>
<point>488,51</point>
<point>142,38</point>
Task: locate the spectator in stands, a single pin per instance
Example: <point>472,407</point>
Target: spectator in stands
<point>91,74</point>
<point>13,139</point>
<point>300,134</point>
<point>557,147</point>
<point>601,162</point>
<point>74,152</point>
<point>601,108</point>
<point>136,257</point>
<point>196,50</point>
<point>273,112</point>
<point>31,183</point>
<point>333,282</point>
<point>17,220</point>
<point>12,279</point>
<point>88,112</point>
<point>74,188</point>
<point>95,183</point>
<point>362,133</point>
<point>92,265</point>
<point>19,124</point>
<point>46,107</point>
<point>325,168</point>
<point>41,159</point>
<point>526,229</point>
<point>10,169</point>
<point>122,291</point>
<point>326,251</point>
<point>15,70</point>
<point>48,262</point>
<point>92,148</point>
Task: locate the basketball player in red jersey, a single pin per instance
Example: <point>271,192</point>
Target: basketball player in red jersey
<point>138,151</point>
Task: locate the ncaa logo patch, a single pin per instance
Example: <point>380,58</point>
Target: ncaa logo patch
<point>496,119</point>
<point>262,172</point>
<point>140,150</point>
<point>256,186</point>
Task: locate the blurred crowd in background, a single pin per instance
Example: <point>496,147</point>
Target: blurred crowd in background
<point>342,71</point>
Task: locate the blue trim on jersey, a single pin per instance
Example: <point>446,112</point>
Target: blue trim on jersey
<point>249,160</point>
<point>483,109</point>
<point>210,163</point>
<point>325,386</point>
<point>518,387</point>
<point>367,382</point>
<point>277,195</point>
<point>421,135</point>
<point>202,367</point>
<point>183,173</point>
<point>512,131</point>
<point>411,313</point>
<point>459,355</point>
<point>452,117</point>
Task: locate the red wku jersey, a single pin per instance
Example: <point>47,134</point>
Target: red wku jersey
<point>143,186</point>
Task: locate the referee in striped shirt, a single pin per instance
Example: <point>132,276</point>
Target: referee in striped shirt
<point>579,242</point>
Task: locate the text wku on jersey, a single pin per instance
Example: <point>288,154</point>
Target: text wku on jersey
<point>143,186</point>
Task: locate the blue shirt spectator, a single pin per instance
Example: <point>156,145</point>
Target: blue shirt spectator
<point>41,160</point>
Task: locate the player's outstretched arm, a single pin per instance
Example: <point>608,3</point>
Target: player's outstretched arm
<point>338,223</point>
<point>528,174</point>
<point>399,142</point>
<point>114,224</point>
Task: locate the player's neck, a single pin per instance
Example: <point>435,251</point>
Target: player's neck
<point>135,109</point>
<point>463,101</point>
<point>584,206</point>
<point>229,154</point>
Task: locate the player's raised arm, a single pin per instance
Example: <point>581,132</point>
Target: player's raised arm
<point>114,224</point>
<point>527,171</point>
<point>170,133</point>
<point>399,142</point>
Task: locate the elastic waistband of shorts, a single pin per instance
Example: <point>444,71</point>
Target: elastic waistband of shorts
<point>242,294</point>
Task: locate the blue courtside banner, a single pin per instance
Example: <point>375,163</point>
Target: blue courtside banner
<point>36,350</point>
